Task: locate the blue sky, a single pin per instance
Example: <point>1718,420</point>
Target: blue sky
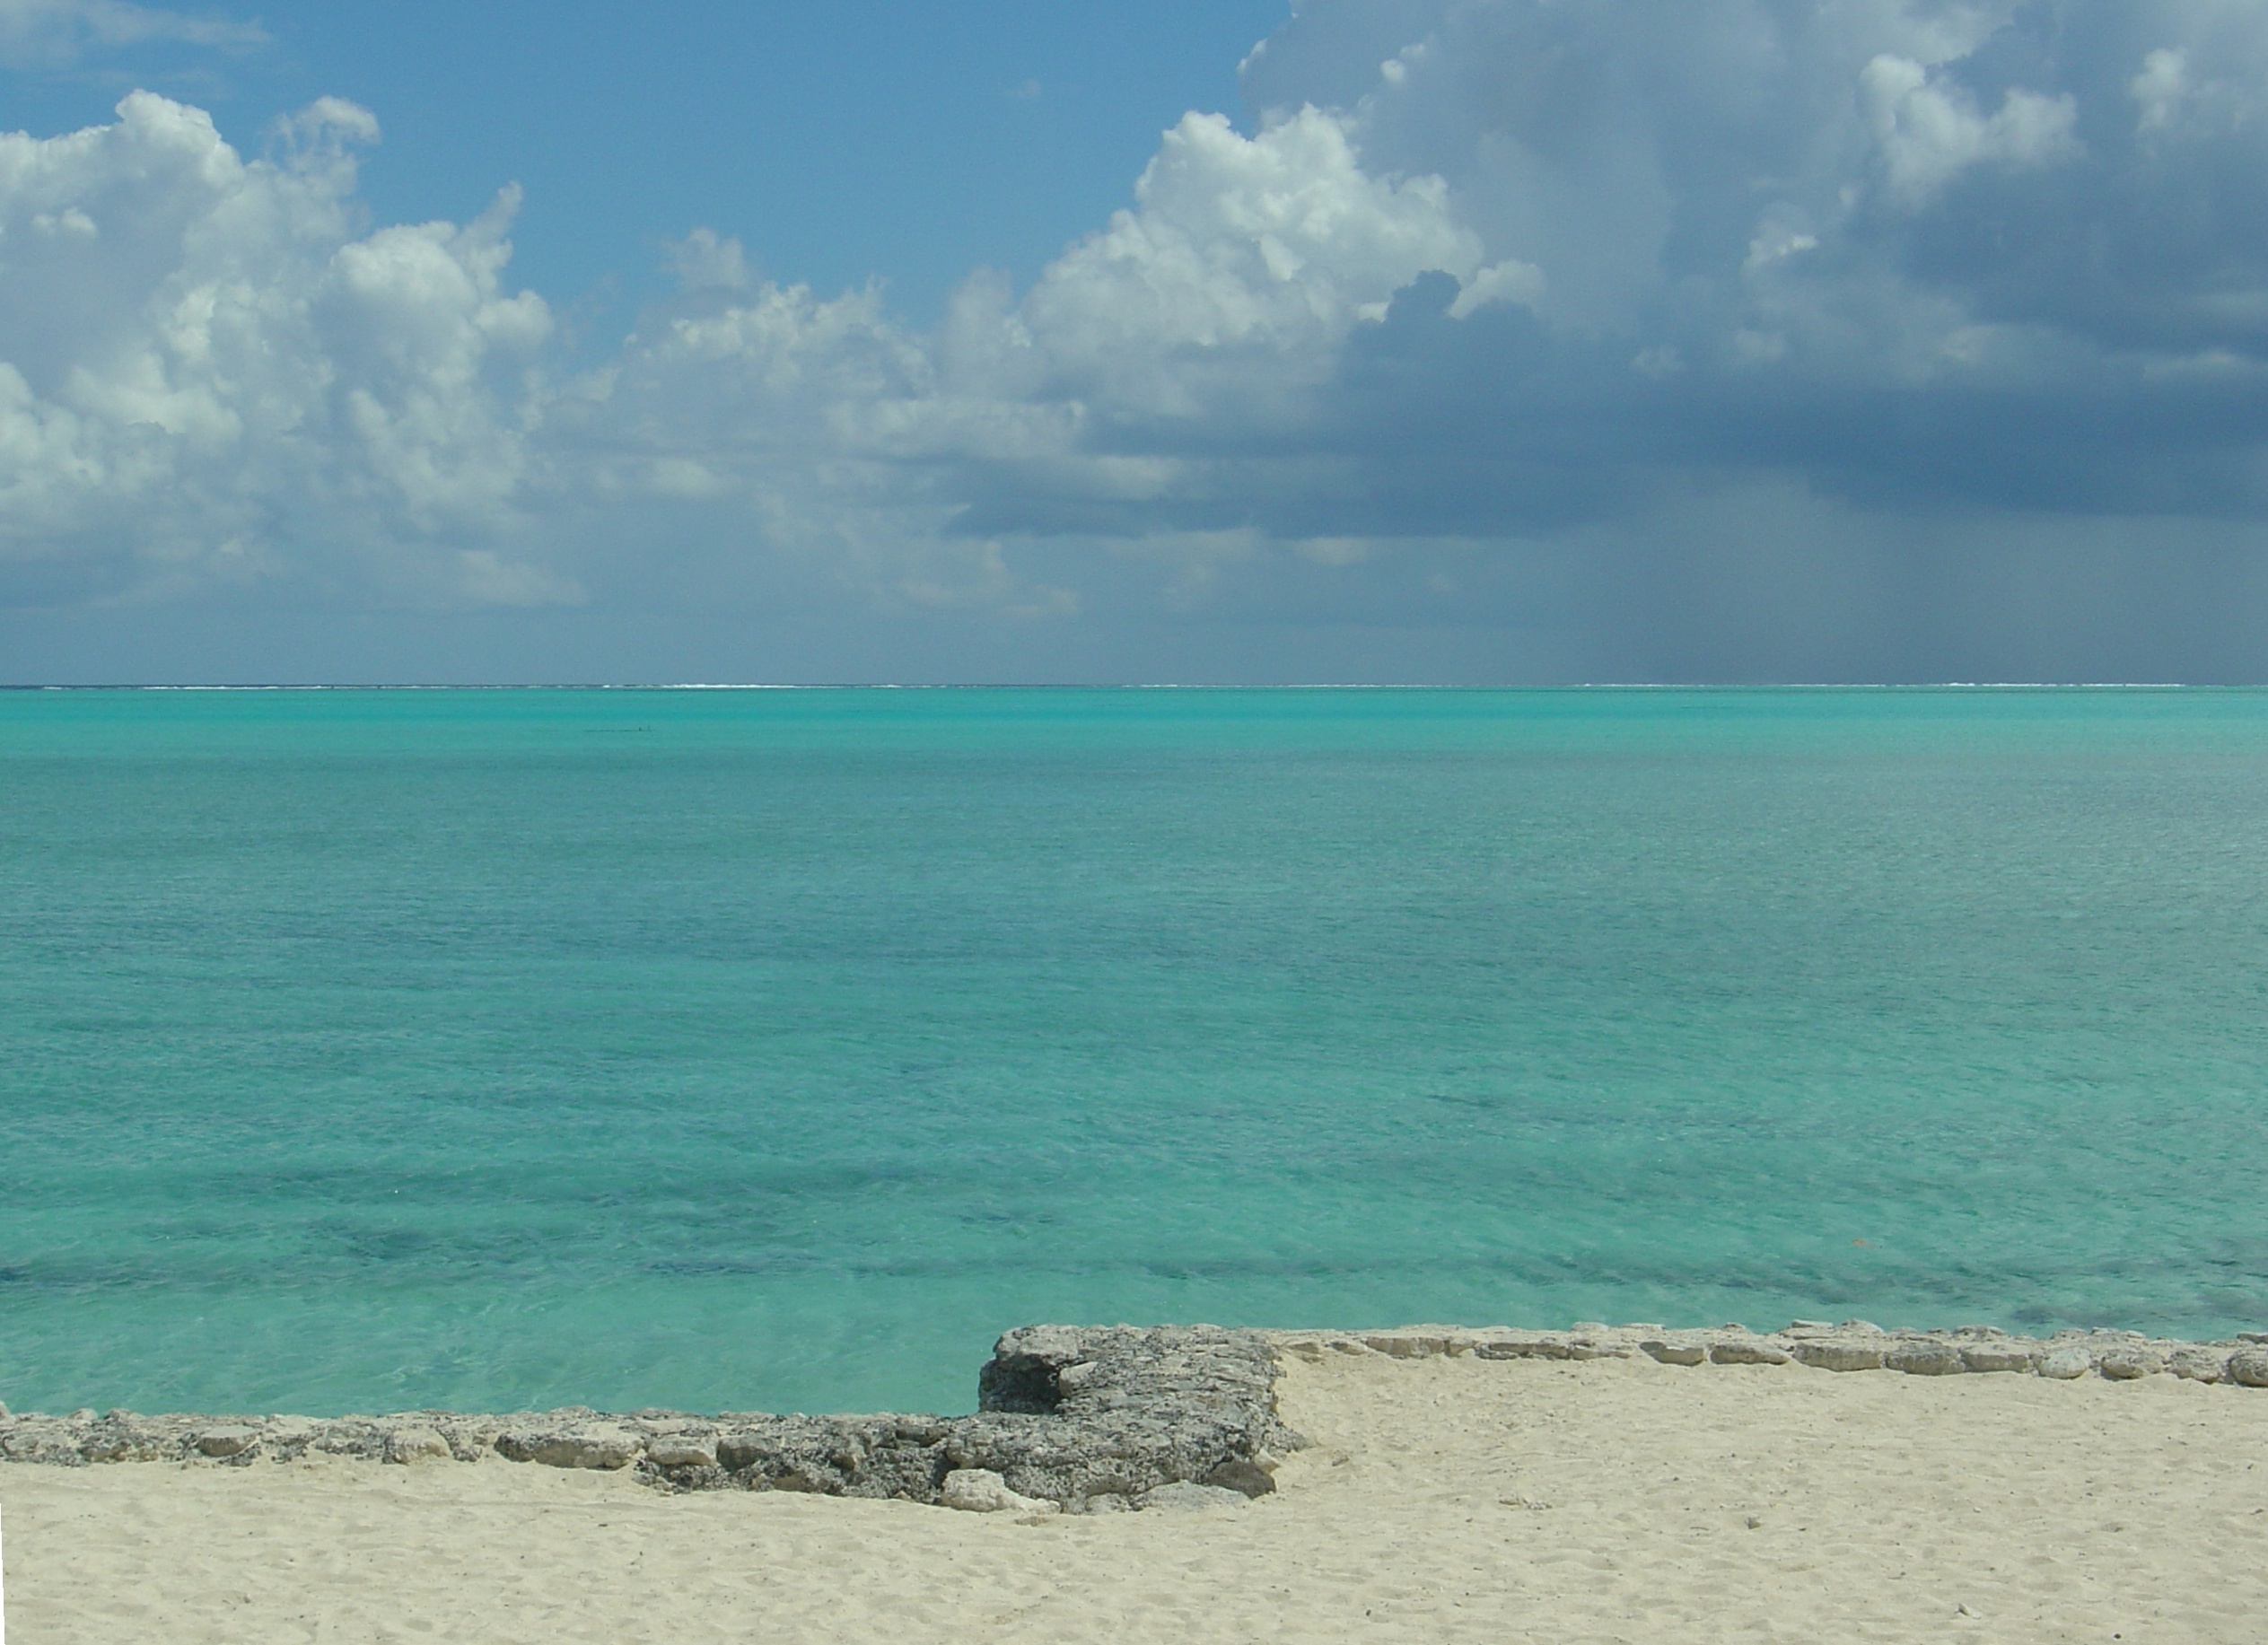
<point>908,139</point>
<point>1517,340</point>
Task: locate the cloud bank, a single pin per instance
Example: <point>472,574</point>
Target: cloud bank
<point>1558,338</point>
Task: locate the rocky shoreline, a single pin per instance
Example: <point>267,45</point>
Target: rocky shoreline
<point>1076,1420</point>
<point>1854,1345</point>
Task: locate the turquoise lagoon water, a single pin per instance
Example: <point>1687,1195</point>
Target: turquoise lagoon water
<point>776,1049</point>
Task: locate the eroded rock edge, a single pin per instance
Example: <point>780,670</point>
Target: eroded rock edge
<point>1070,1419</point>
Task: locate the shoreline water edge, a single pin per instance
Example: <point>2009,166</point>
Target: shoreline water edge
<point>1077,1420</point>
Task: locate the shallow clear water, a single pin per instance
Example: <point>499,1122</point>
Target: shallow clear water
<point>778,1049</point>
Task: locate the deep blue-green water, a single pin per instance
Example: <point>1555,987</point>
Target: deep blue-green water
<point>778,1049</point>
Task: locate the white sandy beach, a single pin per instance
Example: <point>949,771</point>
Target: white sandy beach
<point>1442,1498</point>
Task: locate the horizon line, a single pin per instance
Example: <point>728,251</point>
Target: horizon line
<point>1606,685</point>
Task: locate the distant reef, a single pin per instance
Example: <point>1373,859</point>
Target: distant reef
<point>1077,1420</point>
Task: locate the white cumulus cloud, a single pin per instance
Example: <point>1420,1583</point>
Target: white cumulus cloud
<point>205,370</point>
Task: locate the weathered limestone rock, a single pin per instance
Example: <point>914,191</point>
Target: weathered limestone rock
<point>2130,1364</point>
<point>1071,1416</point>
<point>1523,1348</point>
<point>1998,1357</point>
<point>1182,1497</point>
<point>407,1445</point>
<point>865,1456</point>
<point>1745,1352</point>
<point>41,1441</point>
<point>2249,1368</point>
<point>681,1451</point>
<point>2198,1364</point>
<point>570,1447</point>
<point>1855,1344</point>
<point>1838,1356</point>
<point>1403,1345</point>
<point>980,1491</point>
<point>1925,1358</point>
<point>1156,1407</point>
<point>232,1439</point>
<point>288,1437</point>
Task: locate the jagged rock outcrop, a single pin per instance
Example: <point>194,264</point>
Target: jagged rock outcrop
<point>1083,1419</point>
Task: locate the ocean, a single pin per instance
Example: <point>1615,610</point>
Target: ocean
<point>371,1050</point>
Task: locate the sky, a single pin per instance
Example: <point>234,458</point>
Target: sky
<point>1459,341</point>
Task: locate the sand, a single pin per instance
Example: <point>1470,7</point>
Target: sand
<point>1443,1498</point>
